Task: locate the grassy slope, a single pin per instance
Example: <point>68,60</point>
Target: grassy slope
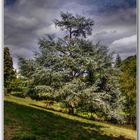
<point>24,119</point>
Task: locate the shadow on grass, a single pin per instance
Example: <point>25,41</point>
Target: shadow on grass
<point>43,125</point>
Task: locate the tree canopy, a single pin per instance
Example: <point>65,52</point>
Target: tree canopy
<point>77,72</point>
<point>76,25</point>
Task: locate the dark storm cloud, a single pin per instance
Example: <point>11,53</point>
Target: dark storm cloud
<point>109,6</point>
<point>28,20</point>
<point>9,2</point>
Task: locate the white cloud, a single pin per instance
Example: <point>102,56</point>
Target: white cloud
<point>47,30</point>
<point>125,46</point>
<point>125,41</point>
<point>26,21</point>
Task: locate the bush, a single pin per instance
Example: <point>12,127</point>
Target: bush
<point>41,92</point>
<point>18,94</point>
<point>117,118</point>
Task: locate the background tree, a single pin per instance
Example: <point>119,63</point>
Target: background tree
<point>9,73</point>
<point>128,87</point>
<point>118,61</point>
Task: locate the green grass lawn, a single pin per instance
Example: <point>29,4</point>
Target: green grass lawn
<point>25,120</point>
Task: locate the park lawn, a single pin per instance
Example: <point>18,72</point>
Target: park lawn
<point>25,119</point>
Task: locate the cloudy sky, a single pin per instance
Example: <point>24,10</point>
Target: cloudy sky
<point>28,20</point>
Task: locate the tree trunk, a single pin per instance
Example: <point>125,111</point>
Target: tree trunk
<point>70,33</point>
<point>71,110</point>
<point>91,116</point>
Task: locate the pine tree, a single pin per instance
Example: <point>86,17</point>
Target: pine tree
<point>118,61</point>
<point>9,73</point>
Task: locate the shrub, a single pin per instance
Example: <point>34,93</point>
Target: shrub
<point>41,92</point>
<point>18,94</point>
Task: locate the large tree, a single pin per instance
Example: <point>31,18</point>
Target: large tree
<point>77,72</point>
<point>9,73</point>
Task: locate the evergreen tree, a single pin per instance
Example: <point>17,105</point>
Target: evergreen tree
<point>9,73</point>
<point>118,61</point>
<point>77,71</point>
